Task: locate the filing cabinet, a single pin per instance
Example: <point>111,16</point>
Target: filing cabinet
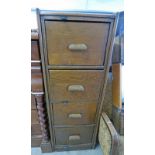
<point>76,49</point>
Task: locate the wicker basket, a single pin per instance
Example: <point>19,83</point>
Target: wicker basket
<point>108,137</point>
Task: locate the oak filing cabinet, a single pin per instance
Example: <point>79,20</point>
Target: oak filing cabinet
<point>76,50</point>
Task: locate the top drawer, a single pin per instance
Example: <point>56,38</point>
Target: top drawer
<point>76,43</point>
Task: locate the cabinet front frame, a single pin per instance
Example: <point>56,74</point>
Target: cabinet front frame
<point>42,16</point>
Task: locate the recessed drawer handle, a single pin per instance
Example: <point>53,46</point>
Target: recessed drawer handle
<point>73,88</point>
<point>74,137</point>
<point>75,116</point>
<point>77,47</point>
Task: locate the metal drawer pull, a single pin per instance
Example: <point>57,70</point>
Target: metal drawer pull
<point>75,88</point>
<point>74,137</point>
<point>75,116</point>
<point>77,47</point>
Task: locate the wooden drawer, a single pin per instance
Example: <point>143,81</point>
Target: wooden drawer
<point>74,113</point>
<point>35,55</point>
<point>35,129</point>
<point>74,135</point>
<point>75,85</point>
<point>76,43</point>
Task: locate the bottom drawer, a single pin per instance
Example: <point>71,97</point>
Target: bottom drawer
<point>74,135</point>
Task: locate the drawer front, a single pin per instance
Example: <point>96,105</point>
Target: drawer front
<point>75,85</point>
<point>76,43</point>
<point>35,50</point>
<point>74,135</point>
<point>36,82</point>
<point>74,113</point>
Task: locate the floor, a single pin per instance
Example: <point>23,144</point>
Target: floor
<point>96,151</point>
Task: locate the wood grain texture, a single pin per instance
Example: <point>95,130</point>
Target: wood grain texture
<point>60,80</point>
<point>116,85</point>
<point>36,140</point>
<point>62,111</point>
<point>37,82</point>
<point>36,72</point>
<point>60,35</point>
<point>35,55</point>
<point>36,129</point>
<point>34,117</point>
<point>33,103</point>
<point>85,133</point>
